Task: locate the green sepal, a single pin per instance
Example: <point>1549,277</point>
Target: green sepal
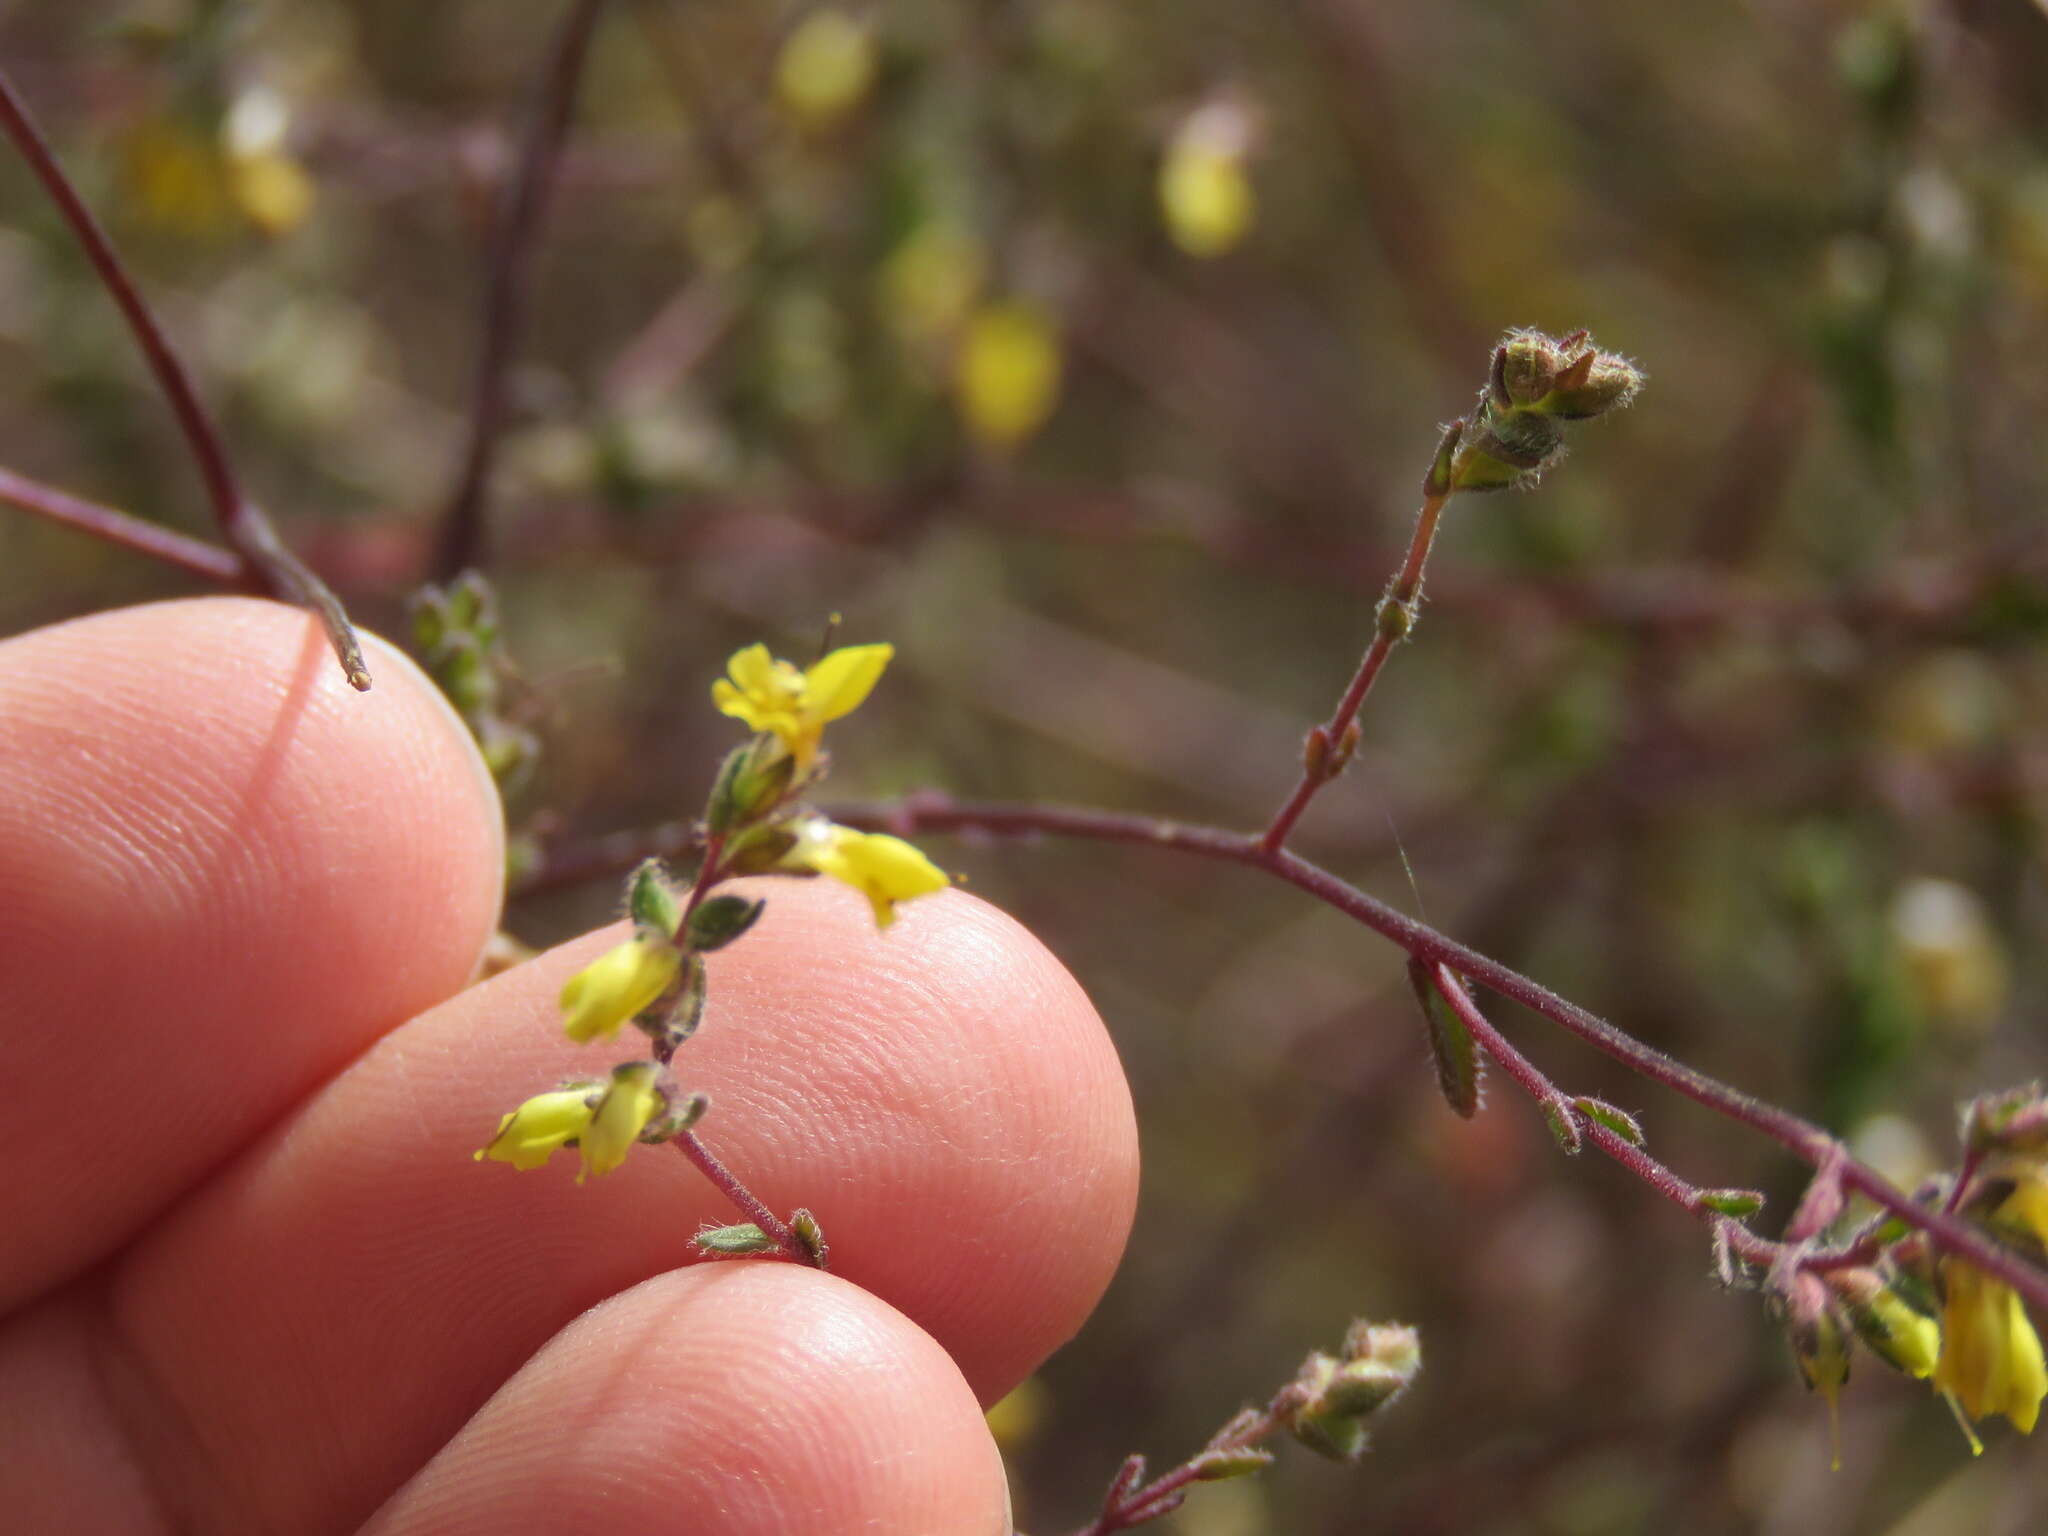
<point>1564,1125</point>
<point>760,850</point>
<point>683,1112</point>
<point>717,922</point>
<point>751,782</point>
<point>1450,1043</point>
<point>1739,1203</point>
<point>745,1237</point>
<point>810,1234</point>
<point>1619,1121</point>
<point>1333,1435</point>
<point>1438,481</point>
<point>1219,1466</point>
<point>651,900</point>
<point>685,1010</point>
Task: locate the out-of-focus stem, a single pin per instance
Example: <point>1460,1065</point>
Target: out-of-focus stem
<point>242,523</point>
<point>195,556</point>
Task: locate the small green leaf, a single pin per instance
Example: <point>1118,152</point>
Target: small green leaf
<point>717,922</point>
<point>1619,1121</point>
<point>743,1238</point>
<point>1564,1125</point>
<point>1450,1043</point>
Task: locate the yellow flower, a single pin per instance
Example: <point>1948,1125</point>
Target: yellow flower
<point>882,868</point>
<point>1204,193</point>
<point>826,68</point>
<point>773,697</point>
<point>1007,374</point>
<point>617,985</point>
<point>1991,1359</point>
<point>531,1133</point>
<point>628,1107</point>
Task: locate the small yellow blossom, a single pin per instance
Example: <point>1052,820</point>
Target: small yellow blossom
<point>1204,192</point>
<point>1007,374</point>
<point>882,868</point>
<point>1991,1360</point>
<point>773,697</point>
<point>826,68</point>
<point>531,1133</point>
<point>628,1107</point>
<point>617,985</point>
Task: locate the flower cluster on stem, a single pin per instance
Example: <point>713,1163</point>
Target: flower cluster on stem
<point>755,823</point>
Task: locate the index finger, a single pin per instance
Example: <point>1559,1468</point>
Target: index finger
<point>222,874</point>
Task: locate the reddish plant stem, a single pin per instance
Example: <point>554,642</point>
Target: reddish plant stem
<point>1805,1140</point>
<point>521,205</point>
<point>1531,1079</point>
<point>1401,595</point>
<point>1125,1511</point>
<point>709,873</point>
<point>196,556</point>
<point>242,523</point>
<point>750,1206</point>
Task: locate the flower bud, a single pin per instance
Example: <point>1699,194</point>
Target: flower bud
<point>1898,1333</point>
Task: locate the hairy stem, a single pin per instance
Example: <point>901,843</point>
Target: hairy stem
<point>1805,1140</point>
<point>1396,619</point>
<point>1530,1079</point>
<point>242,523</point>
<point>1124,1509</point>
<point>749,1204</point>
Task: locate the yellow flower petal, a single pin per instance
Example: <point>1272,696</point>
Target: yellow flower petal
<point>840,683</point>
<point>630,1104</point>
<point>528,1136</point>
<point>617,985</point>
<point>882,868</point>
<point>772,697</point>
<point>1991,1357</point>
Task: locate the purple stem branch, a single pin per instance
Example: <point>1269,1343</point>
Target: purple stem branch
<point>196,556</point>
<point>1531,1079</point>
<point>1805,1140</point>
<point>1324,762</point>
<point>242,523</point>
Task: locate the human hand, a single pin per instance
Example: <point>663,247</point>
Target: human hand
<point>253,1280</point>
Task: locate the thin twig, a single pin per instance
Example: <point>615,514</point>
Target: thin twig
<point>521,204</point>
<point>1531,1080</point>
<point>242,523</point>
<point>198,557</point>
<point>1329,750</point>
<point>772,1226</point>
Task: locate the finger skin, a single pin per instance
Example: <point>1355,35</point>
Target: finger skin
<point>942,1096</point>
<point>733,1399</point>
<point>223,873</point>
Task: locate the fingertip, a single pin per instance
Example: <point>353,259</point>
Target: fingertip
<point>736,1399</point>
<point>228,866</point>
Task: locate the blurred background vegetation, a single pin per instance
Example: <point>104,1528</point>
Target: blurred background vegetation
<point>1092,351</point>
